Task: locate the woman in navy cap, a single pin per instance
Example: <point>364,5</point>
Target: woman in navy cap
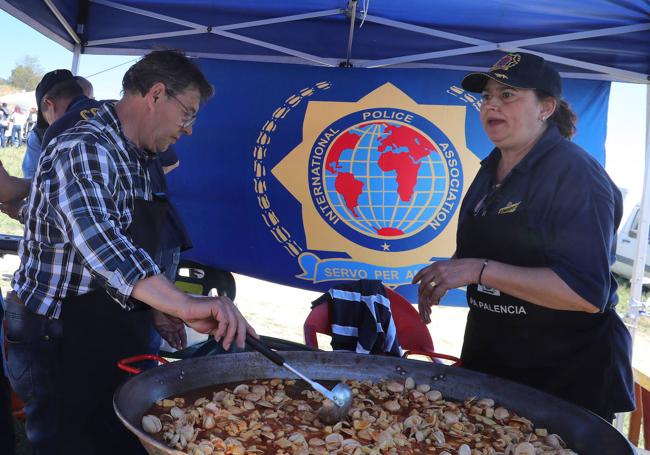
<point>535,242</point>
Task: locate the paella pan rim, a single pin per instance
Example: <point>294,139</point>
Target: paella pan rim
<point>579,427</point>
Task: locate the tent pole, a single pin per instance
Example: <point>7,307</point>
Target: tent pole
<point>638,270</point>
<point>352,9</point>
<point>76,55</point>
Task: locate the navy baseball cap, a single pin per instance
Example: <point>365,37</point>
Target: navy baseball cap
<point>518,70</point>
<point>49,80</point>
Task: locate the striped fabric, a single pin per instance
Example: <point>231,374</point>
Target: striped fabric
<point>361,318</point>
<point>79,211</point>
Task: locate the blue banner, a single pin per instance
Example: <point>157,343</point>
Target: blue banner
<point>307,176</point>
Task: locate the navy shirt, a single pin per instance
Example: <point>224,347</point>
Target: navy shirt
<point>80,108</point>
<point>569,199</point>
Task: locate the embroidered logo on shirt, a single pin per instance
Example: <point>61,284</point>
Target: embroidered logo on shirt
<point>88,113</point>
<point>510,207</point>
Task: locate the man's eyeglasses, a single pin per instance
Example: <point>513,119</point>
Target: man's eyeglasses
<point>189,118</point>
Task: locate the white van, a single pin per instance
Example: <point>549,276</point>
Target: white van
<point>626,247</point>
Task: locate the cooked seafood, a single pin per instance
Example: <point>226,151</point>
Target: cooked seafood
<point>391,417</point>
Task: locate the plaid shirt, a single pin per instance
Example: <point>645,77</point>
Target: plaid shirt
<point>80,208</point>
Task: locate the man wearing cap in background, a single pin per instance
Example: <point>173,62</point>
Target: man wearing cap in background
<point>535,243</point>
<point>58,91</point>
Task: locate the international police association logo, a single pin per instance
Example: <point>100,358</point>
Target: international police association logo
<point>385,178</point>
<point>379,181</point>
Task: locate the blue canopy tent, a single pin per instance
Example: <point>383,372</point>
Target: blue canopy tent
<point>597,40</point>
<point>601,40</point>
<point>593,39</point>
<point>606,40</point>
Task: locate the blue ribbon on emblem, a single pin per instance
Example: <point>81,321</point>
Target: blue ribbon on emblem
<point>320,270</point>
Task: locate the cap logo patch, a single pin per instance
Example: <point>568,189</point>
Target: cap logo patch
<point>500,75</point>
<point>506,62</point>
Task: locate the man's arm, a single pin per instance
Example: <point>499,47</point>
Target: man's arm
<point>89,215</point>
<point>217,316</point>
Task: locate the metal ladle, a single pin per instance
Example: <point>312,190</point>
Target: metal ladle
<point>340,395</point>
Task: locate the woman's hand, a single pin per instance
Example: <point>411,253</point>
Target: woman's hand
<point>436,279</point>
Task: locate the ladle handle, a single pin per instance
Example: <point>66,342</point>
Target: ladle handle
<point>262,349</point>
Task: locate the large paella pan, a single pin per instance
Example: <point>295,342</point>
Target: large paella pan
<point>583,431</point>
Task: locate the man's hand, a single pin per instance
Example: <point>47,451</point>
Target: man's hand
<point>171,329</point>
<point>12,208</point>
<point>219,317</point>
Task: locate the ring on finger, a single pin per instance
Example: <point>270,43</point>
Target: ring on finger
<point>433,284</point>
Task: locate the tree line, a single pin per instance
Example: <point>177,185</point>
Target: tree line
<point>26,75</point>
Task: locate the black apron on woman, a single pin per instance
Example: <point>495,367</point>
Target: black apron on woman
<point>570,354</point>
<point>97,333</point>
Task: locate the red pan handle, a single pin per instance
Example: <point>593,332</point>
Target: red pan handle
<point>432,355</point>
<point>124,364</point>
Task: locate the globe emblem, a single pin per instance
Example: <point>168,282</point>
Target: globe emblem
<point>385,179</point>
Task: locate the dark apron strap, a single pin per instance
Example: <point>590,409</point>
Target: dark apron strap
<point>148,220</point>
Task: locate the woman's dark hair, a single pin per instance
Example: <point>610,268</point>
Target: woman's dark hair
<point>563,117</point>
<point>172,68</point>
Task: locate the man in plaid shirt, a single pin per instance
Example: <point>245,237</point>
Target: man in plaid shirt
<point>87,288</point>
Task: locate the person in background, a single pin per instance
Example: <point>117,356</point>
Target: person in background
<point>535,243</point>
<point>87,282</point>
<point>55,93</point>
<point>18,120</point>
<point>4,123</point>
<point>86,87</point>
<point>31,121</point>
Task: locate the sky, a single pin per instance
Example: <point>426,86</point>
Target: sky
<point>626,121</point>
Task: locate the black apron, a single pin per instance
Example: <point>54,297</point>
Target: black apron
<point>98,333</point>
<point>578,356</point>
